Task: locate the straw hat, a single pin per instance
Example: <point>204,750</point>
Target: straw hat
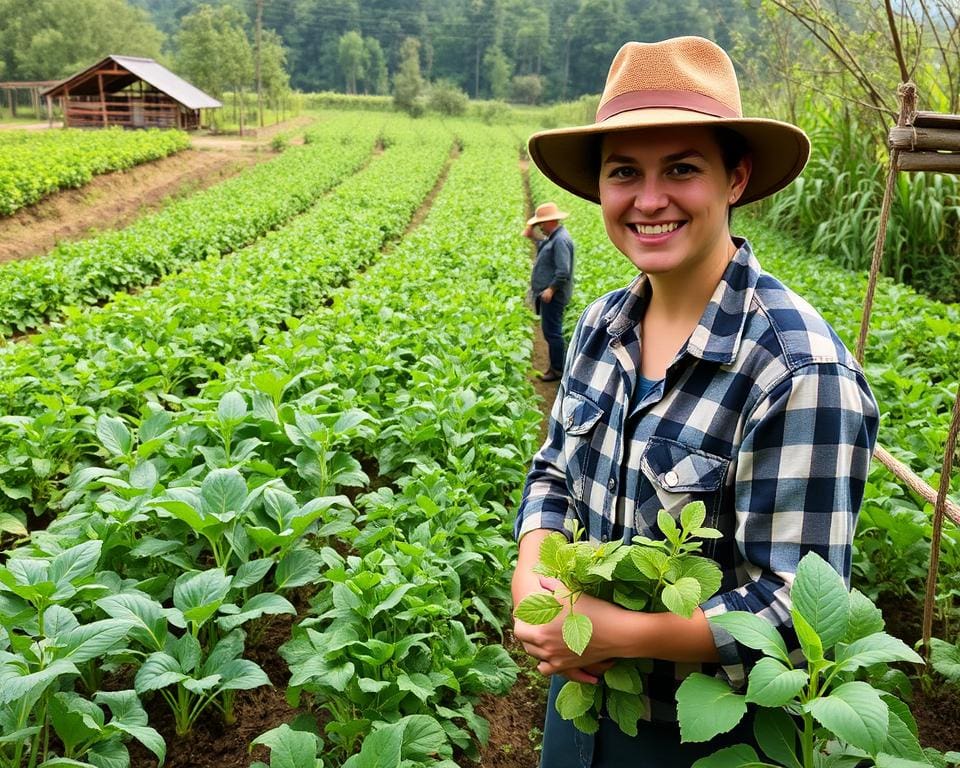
<point>683,81</point>
<point>546,212</point>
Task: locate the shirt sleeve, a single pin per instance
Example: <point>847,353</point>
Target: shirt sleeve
<point>562,262</point>
<point>799,481</point>
<point>546,501</point>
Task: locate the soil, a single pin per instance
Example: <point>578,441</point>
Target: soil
<point>114,200</point>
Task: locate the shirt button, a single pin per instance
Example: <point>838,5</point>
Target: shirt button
<point>604,538</point>
<point>671,479</point>
<point>611,484</point>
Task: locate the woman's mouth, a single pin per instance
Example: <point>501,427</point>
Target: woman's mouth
<point>654,230</point>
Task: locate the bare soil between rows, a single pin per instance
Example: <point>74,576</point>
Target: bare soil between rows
<point>113,200</point>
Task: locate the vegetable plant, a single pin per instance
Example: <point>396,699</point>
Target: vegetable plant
<point>648,575</point>
<point>831,708</point>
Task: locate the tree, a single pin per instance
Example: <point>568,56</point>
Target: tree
<point>375,79</point>
<point>351,54</point>
<point>48,39</point>
<point>273,72</point>
<point>407,82</point>
<point>497,69</point>
<point>526,89</point>
<point>215,53</point>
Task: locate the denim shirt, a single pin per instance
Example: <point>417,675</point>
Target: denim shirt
<point>553,266</point>
<point>764,415</point>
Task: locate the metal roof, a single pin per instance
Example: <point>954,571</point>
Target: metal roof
<point>151,73</point>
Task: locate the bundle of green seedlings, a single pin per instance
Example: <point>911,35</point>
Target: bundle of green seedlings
<point>647,575</point>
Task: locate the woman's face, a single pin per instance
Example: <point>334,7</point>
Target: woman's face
<point>664,193</point>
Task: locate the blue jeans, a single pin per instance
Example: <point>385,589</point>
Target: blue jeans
<point>551,320</point>
<point>656,745</point>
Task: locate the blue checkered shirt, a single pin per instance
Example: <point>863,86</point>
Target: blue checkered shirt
<point>764,415</point>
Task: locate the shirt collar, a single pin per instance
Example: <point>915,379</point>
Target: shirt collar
<point>718,334</point>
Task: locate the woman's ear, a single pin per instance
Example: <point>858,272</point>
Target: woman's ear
<point>739,177</point>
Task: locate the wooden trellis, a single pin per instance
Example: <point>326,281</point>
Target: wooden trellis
<point>921,141</point>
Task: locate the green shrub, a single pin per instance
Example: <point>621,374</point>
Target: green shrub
<point>447,98</point>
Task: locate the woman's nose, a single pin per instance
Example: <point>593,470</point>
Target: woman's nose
<point>650,196</point>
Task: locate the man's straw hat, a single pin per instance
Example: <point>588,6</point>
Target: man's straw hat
<point>546,212</point>
<point>682,81</point>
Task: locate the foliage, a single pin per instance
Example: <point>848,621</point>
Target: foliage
<point>835,207</point>
<point>648,575</point>
<point>840,702</point>
<point>219,220</point>
<point>213,51</point>
<point>498,72</point>
<point>407,82</point>
<point>526,89</point>
<point>51,39</point>
<point>351,54</point>
<point>33,165</point>
<point>447,99</point>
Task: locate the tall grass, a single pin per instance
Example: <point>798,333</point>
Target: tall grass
<point>835,208</point>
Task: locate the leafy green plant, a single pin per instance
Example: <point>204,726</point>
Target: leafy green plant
<point>647,575</point>
<point>290,747</point>
<point>820,710</point>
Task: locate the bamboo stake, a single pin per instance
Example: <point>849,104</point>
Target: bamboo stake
<point>908,99</point>
<point>938,514</point>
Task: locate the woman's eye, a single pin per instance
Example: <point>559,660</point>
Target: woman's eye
<point>622,172</point>
<point>682,169</point>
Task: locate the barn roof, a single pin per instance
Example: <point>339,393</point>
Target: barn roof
<point>136,68</point>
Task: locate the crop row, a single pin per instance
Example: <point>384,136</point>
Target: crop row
<point>34,164</point>
<point>913,366</point>
<point>202,517</point>
<point>164,341</point>
<point>218,220</point>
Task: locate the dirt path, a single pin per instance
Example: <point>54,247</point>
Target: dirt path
<point>113,200</point>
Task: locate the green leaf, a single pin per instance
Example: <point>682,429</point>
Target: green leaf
<point>586,723</point>
<point>623,676</point>
<point>692,515</point>
<point>809,639</point>
<point>707,707</point>
<point>290,748</point>
<point>158,671</point>
<point>224,492</point>
<point>241,675</point>
<point>683,597</point>
<point>772,684</point>
<point>577,631</point>
<point>200,595</point>
<point>75,563</point>
<point>296,568</point>
<point>705,571</point>
<point>114,435</point>
<point>865,617</point>
<point>877,648</point>
<point>754,632</point>
<point>539,608</point>
<point>625,709</point>
<point>423,739</point>
<point>232,408</point>
<point>776,735</point>
<point>418,684</point>
<point>255,607</point>
<point>652,563</point>
<point>668,526</point>
<point>549,548</point>
<point>574,699</point>
<point>854,712</point>
<point>148,618</point>
<point>945,658</point>
<point>901,741</point>
<point>91,641</point>
<point>821,597</point>
<point>728,757</point>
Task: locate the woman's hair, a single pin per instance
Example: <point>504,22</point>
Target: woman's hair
<point>733,148</point>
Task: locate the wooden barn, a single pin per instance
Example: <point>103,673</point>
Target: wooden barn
<point>130,92</point>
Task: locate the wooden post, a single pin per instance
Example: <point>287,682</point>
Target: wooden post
<point>103,100</point>
<point>938,515</point>
<point>12,101</point>
<point>50,110</point>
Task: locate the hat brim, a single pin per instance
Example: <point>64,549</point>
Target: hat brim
<point>559,216</point>
<point>570,157</point>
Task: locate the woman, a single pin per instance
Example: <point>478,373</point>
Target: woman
<point>704,379</point>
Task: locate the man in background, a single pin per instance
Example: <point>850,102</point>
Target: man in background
<point>551,282</point>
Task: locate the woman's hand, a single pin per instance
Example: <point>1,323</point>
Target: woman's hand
<point>546,295</point>
<point>545,642</point>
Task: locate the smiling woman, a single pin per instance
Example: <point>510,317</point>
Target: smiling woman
<point>704,380</point>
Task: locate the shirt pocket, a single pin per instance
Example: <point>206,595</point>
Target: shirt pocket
<point>579,419</point>
<point>679,474</point>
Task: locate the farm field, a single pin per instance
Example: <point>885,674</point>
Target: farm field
<point>260,453</point>
<point>35,163</point>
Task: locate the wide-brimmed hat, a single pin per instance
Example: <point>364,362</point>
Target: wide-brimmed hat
<point>684,81</point>
<point>546,212</point>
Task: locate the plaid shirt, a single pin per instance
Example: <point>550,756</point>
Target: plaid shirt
<point>764,415</point>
